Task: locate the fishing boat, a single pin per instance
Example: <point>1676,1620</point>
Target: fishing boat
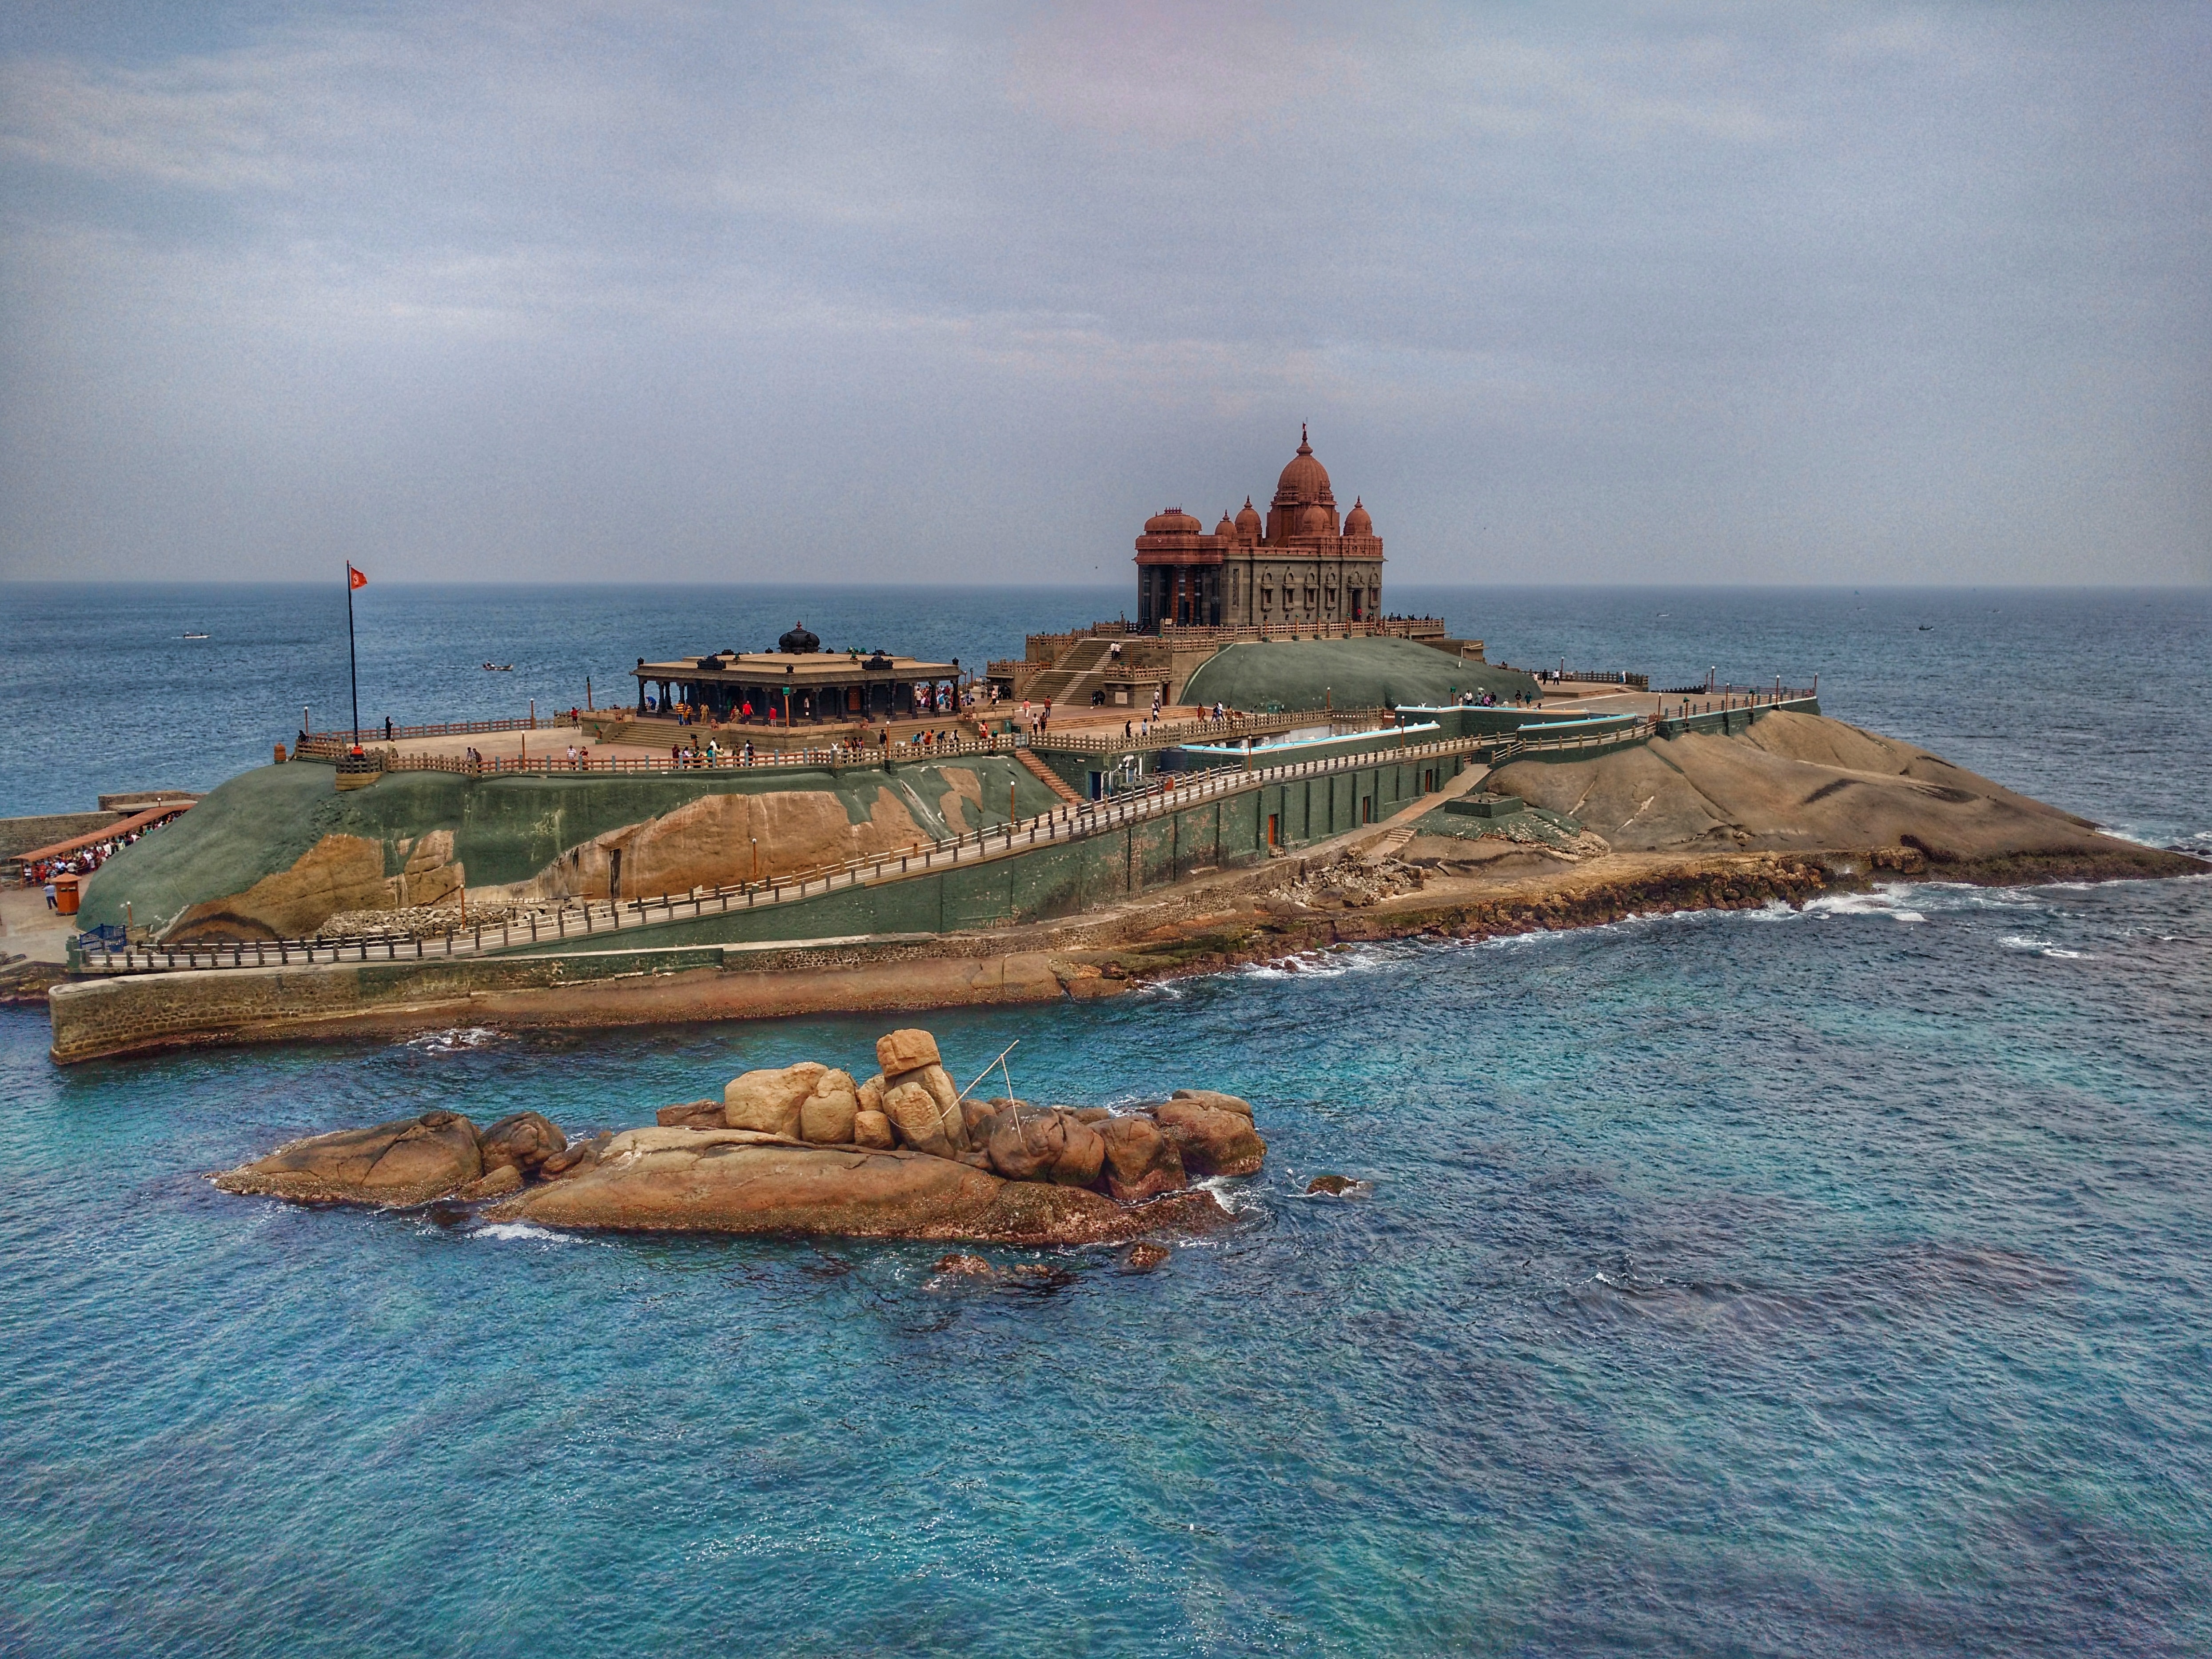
<point>195,636</point>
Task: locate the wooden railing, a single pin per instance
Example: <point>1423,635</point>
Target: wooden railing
<point>832,755</point>
<point>590,918</point>
<point>337,742</point>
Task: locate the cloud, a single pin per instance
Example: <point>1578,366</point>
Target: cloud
<point>1848,260</point>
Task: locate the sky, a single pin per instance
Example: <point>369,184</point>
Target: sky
<point>678,292</point>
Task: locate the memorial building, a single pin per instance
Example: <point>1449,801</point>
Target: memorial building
<point>1301,566</point>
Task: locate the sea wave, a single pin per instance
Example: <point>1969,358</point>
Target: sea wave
<point>1887,900</point>
<point>522,1231</point>
<point>1318,964</point>
<point>455,1040</point>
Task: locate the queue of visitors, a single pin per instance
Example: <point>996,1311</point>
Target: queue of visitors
<point>83,862</point>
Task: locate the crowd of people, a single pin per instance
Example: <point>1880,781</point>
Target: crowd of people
<point>40,872</point>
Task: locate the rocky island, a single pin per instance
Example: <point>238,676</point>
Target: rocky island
<point>805,1149</point>
<point>1265,762</point>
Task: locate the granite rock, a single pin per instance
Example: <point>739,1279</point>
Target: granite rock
<point>769,1101</point>
<point>407,1162</point>
<point>1211,1142</point>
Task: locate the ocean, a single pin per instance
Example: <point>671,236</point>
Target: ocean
<point>1829,1281</point>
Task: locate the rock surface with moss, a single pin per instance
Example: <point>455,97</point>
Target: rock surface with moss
<point>275,852</point>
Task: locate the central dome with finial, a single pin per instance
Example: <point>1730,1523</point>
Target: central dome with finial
<point>1305,479</point>
<point>1287,571</point>
<point>800,642</point>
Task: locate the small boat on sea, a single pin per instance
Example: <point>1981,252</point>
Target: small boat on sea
<point>194,636</point>
<point>499,668</point>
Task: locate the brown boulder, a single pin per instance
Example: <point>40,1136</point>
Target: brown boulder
<point>938,1082</point>
<point>977,1116</point>
<point>522,1142</point>
<point>873,1129</point>
<point>827,1115</point>
<point>1050,1146</point>
<point>407,1162</point>
<point>914,1119</point>
<point>871,1094</point>
<point>906,1051</point>
<point>692,1111</point>
<point>1211,1142</point>
<point>769,1187</point>
<point>1140,1161</point>
<point>1142,1258</point>
<point>768,1101</point>
<point>492,1183</point>
<point>1334,1186</point>
<point>1218,1101</point>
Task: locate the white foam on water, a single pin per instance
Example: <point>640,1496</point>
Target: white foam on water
<point>1318,964</point>
<point>1884,900</point>
<point>1234,1193</point>
<point>455,1040</point>
<point>519,1231</point>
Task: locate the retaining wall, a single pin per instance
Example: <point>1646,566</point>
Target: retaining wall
<point>1061,878</point>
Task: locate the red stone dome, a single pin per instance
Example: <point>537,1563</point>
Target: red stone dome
<point>1305,479</point>
<point>1248,521</point>
<point>1356,522</point>
<point>1173,522</point>
<point>1226,529</point>
<point>1313,521</point>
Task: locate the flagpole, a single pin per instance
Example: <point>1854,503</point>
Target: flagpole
<point>353,661</point>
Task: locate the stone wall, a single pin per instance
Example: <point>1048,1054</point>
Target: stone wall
<point>780,955</point>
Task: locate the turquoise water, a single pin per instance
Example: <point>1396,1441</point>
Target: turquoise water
<point>1826,1282</point>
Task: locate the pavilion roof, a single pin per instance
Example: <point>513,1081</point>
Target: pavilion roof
<point>811,668</point>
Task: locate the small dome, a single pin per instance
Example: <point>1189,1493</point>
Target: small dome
<point>1226,529</point>
<point>1247,522</point>
<point>1356,522</point>
<point>1172,522</point>
<point>1305,479</point>
<point>800,642</point>
<point>1313,521</point>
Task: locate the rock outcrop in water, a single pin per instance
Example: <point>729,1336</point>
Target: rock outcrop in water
<point>793,1150</point>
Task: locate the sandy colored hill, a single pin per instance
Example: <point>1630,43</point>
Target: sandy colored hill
<point>275,852</point>
<point>1796,783</point>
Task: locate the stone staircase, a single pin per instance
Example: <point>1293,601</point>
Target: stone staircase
<point>1388,846</point>
<point>1084,659</point>
<point>1046,776</point>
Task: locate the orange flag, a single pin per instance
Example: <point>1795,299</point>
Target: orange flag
<point>355,578</point>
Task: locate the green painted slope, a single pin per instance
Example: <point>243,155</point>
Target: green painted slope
<point>1346,673</point>
<point>505,829</point>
